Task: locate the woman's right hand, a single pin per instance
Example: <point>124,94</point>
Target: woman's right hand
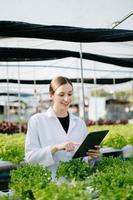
<point>67,146</point>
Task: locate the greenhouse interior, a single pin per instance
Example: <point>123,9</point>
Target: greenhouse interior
<point>66,100</point>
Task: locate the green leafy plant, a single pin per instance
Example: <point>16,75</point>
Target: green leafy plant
<point>116,141</point>
<point>118,136</point>
<point>74,169</point>
<point>12,147</point>
<point>114,178</point>
<point>28,177</point>
<point>64,191</point>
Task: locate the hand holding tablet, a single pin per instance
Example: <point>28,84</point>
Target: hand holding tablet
<point>93,154</point>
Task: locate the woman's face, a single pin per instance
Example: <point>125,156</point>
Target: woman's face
<point>62,97</point>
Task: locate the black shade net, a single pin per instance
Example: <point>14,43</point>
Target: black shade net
<point>25,54</point>
<point>64,33</point>
<point>74,80</point>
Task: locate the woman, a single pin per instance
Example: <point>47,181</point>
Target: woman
<point>54,135</point>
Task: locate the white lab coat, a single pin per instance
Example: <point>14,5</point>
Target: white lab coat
<point>45,130</point>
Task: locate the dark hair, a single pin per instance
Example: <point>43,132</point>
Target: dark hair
<point>57,82</point>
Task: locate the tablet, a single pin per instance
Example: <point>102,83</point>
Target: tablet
<point>92,139</point>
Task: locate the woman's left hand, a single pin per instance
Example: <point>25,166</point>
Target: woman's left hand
<point>94,154</point>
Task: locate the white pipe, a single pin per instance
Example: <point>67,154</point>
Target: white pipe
<point>82,82</point>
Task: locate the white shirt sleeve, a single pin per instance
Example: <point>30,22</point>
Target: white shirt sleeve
<point>34,153</point>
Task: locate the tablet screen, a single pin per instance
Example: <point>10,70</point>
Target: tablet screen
<point>92,139</point>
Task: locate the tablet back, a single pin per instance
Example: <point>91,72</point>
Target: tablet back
<point>92,139</point>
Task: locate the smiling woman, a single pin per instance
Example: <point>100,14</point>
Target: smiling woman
<point>53,136</point>
<point>61,91</point>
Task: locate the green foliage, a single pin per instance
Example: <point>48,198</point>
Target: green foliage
<point>74,169</point>
<point>101,93</point>
<point>27,178</point>
<point>114,179</point>
<point>118,141</point>
<point>118,136</point>
<point>64,191</point>
<point>12,147</point>
<point>125,95</point>
<point>5,197</point>
<point>122,95</point>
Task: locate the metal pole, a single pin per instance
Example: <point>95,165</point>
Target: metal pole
<point>7,104</point>
<point>34,76</point>
<point>116,23</point>
<point>95,94</point>
<point>114,95</point>
<point>35,89</point>
<point>82,82</point>
<point>19,102</point>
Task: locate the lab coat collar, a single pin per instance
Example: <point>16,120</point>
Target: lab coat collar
<point>50,113</point>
